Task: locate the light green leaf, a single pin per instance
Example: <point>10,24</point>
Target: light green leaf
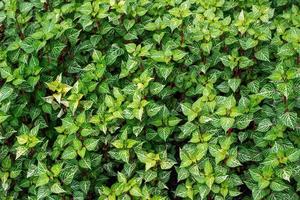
<point>91,144</point>
<point>226,123</point>
<point>69,153</point>
<point>5,92</point>
<point>57,189</point>
<point>43,179</point>
<point>187,111</point>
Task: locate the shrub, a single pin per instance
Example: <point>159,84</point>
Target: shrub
<point>140,99</point>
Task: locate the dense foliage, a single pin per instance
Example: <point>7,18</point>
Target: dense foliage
<point>149,99</point>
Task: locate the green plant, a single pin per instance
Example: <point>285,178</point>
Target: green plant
<point>140,99</point>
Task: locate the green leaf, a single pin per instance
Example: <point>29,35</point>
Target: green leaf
<point>56,169</point>
<point>187,111</point>
<point>130,47</point>
<point>152,109</point>
<point>294,155</point>
<point>28,45</point>
<point>259,194</point>
<point>91,144</point>
<point>234,84</point>
<point>167,163</point>
<point>243,121</point>
<point>85,186</point>
<point>208,169</point>
<point>264,125</point>
<point>164,132</point>
<point>156,88</point>
<point>263,54</point>
<point>85,163</point>
<point>289,119</point>
<point>21,150</point>
<point>160,56</point>
<point>226,123</point>
<point>69,153</point>
<point>178,54</point>
<point>5,92</point>
<point>68,173</point>
<point>233,162</point>
<point>187,129</point>
<point>278,186</point>
<point>136,191</point>
<point>285,50</point>
<point>43,179</point>
<point>86,8</point>
<point>57,189</point>
<point>248,43</point>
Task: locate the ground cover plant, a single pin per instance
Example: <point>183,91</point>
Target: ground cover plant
<point>149,99</point>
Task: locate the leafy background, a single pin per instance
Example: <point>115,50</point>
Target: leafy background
<point>140,99</point>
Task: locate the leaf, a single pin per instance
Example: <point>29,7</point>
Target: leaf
<point>294,155</point>
<point>130,47</point>
<point>69,153</point>
<point>85,163</point>
<point>187,111</point>
<point>136,191</point>
<point>178,54</point>
<point>174,23</point>
<point>185,159</point>
<point>243,121</point>
<point>57,48</point>
<point>181,191</point>
<point>182,173</point>
<point>28,45</point>
<point>56,169</point>
<point>128,24</point>
<point>85,186</point>
<point>43,192</point>
<point>233,162</point>
<point>263,54</point>
<point>187,129</point>
<point>248,43</point>
<point>86,8</point>
<point>150,175</point>
<point>289,119</point>
<point>278,186</point>
<point>164,132</point>
<point>234,84</point>
<point>160,56</point>
<point>258,194</point>
<point>21,150</point>
<point>91,144</point>
<point>167,163</point>
<point>57,189</point>
<point>156,88</point>
<point>203,191</point>
<point>285,50</point>
<point>22,139</point>
<point>165,71</point>
<point>208,169</point>
<point>43,179</point>
<point>264,125</point>
<point>226,123</point>
<point>5,92</point>
<point>68,173</point>
<point>201,150</point>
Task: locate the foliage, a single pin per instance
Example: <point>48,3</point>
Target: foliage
<point>141,99</point>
